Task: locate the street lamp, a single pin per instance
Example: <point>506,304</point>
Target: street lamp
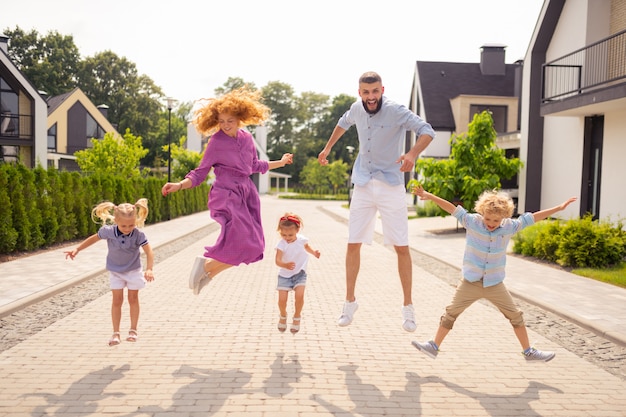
<point>170,104</point>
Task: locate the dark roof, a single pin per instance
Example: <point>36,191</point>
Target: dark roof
<point>442,81</point>
<point>56,101</point>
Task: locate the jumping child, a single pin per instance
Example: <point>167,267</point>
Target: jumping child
<point>119,228</point>
<point>292,258</point>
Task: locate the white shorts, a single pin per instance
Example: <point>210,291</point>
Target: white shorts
<point>390,202</point>
<point>134,280</point>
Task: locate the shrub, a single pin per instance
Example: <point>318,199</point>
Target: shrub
<point>574,243</point>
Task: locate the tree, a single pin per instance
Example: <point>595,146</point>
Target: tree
<point>475,165</point>
<point>49,62</point>
<point>134,100</point>
<point>113,155</point>
<point>233,83</point>
<point>183,160</point>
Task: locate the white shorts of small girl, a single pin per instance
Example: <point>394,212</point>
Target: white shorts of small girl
<point>133,280</point>
<point>390,202</point>
<point>290,283</point>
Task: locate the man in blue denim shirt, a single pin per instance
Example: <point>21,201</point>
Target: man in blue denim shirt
<point>378,181</point>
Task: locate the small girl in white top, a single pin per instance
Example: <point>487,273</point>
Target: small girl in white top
<point>292,255</point>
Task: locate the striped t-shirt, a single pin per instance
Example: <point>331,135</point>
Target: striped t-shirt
<point>485,251</point>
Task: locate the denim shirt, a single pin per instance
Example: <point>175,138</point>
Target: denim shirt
<point>485,251</point>
<point>381,140</point>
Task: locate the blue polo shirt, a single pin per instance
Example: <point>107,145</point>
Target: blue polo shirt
<point>124,254</point>
<point>381,140</point>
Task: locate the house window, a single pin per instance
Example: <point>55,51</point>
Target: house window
<point>9,118</point>
<point>498,113</point>
<point>52,138</point>
<point>93,129</point>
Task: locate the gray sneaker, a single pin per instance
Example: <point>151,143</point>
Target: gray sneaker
<point>537,355</point>
<point>428,348</point>
<point>197,272</point>
<point>408,318</point>
<point>347,314</point>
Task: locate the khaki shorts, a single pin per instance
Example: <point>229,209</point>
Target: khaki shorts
<point>469,292</point>
<point>390,202</point>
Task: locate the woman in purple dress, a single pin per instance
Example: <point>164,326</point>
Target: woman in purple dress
<point>233,200</point>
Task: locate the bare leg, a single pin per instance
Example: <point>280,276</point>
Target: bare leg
<point>353,264</point>
<point>522,336</point>
<point>282,302</point>
<point>441,334</point>
<point>405,269</point>
<point>133,301</point>
<point>116,308</point>
<point>213,267</point>
<point>298,300</point>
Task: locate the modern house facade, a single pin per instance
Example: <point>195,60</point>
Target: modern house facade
<point>573,121</point>
<point>448,95</point>
<point>73,120</point>
<point>23,115</point>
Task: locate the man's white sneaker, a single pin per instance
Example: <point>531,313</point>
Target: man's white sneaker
<point>347,314</point>
<point>408,318</point>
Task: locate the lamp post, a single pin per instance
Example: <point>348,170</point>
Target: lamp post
<point>170,104</point>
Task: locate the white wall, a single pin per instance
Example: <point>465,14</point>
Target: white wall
<point>562,166</point>
<point>439,147</point>
<point>613,186</point>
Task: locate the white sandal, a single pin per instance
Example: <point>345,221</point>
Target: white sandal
<point>295,328</point>
<point>115,339</point>
<point>282,326</point>
<point>132,335</point>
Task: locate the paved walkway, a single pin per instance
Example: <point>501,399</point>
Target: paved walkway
<point>219,353</point>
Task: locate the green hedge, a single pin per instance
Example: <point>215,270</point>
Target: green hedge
<point>41,207</point>
<point>574,243</point>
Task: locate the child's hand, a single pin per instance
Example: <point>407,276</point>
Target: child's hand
<point>148,275</point>
<point>567,203</point>
<point>420,192</point>
<point>290,266</point>
<point>316,254</point>
<point>70,254</point>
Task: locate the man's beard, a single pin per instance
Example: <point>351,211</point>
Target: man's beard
<point>378,106</point>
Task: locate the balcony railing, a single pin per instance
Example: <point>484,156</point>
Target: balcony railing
<point>16,126</point>
<point>595,66</point>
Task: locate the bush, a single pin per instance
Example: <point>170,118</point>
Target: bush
<point>575,243</point>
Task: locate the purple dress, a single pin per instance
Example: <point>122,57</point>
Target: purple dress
<point>233,200</point>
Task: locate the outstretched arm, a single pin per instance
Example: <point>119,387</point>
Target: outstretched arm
<point>285,160</point>
<point>544,214</point>
<point>84,245</point>
<point>312,251</point>
<point>334,137</point>
<point>425,195</point>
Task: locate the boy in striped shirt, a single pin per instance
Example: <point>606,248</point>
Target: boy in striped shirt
<point>488,232</point>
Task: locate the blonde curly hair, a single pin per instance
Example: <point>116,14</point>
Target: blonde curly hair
<point>242,103</point>
<point>495,202</point>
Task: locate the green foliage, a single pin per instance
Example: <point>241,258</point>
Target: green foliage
<point>39,207</point>
<point>50,62</point>
<point>113,155</point>
<point>183,160</point>
<point>8,234</point>
<point>332,175</point>
<point>574,243</point>
<point>475,165</point>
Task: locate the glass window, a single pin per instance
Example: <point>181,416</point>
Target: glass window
<point>498,113</point>
<point>93,129</point>
<point>52,138</point>
<point>9,110</point>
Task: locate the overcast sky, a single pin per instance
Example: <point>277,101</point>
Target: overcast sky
<point>190,47</point>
